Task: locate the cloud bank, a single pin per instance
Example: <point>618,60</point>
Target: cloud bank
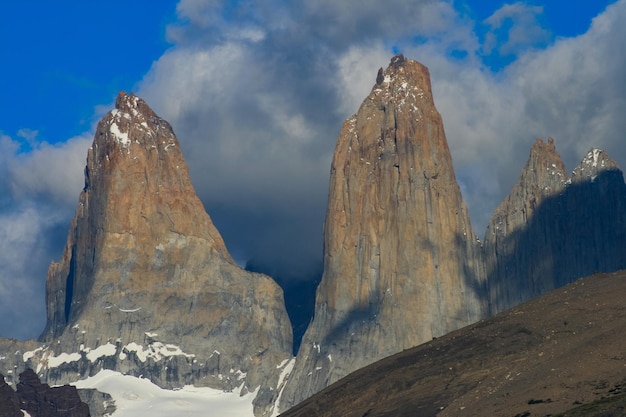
<point>257,92</point>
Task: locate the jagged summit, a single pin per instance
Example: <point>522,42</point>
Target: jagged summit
<point>406,83</point>
<point>551,230</point>
<point>595,162</point>
<point>543,175</point>
<point>132,117</point>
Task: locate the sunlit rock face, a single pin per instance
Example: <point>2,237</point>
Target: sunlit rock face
<point>146,285</point>
<point>551,229</point>
<point>401,262</point>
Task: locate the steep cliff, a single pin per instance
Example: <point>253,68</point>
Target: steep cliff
<point>516,275</point>
<point>146,285</point>
<point>551,230</point>
<point>401,262</point>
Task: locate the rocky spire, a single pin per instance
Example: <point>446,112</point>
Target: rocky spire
<point>551,230</point>
<point>401,262</point>
<point>542,177</point>
<point>146,276</point>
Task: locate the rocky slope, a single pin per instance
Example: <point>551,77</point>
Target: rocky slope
<point>146,285</point>
<point>551,230</point>
<point>40,400</point>
<point>547,356</point>
<point>401,262</point>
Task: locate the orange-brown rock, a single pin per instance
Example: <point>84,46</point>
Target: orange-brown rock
<point>401,262</point>
<point>146,285</point>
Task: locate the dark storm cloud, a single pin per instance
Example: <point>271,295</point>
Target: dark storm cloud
<point>258,102</point>
<point>257,93</point>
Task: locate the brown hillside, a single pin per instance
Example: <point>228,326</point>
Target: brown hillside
<point>547,356</point>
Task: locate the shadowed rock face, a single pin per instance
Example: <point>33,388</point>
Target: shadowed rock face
<point>401,262</point>
<point>39,399</point>
<point>43,401</point>
<point>551,230</point>
<point>9,401</point>
<point>543,176</point>
<point>146,285</point>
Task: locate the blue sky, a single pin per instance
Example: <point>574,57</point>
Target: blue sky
<point>257,91</point>
<point>62,59</point>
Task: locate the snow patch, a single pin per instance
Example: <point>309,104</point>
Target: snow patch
<point>54,361</point>
<point>131,310</point>
<point>280,365</point>
<point>121,137</point>
<point>27,355</point>
<point>155,351</point>
<point>138,397</point>
<point>287,366</point>
<point>105,350</point>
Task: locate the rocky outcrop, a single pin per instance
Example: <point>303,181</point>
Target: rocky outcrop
<point>146,285</point>
<point>9,401</point>
<point>401,262</point>
<point>551,230</point>
<point>40,400</point>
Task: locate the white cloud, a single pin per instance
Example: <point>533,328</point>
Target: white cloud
<point>28,134</point>
<point>51,172</point>
<point>513,28</point>
<point>257,92</point>
<point>259,121</point>
<point>24,258</point>
<point>576,89</point>
<point>39,191</point>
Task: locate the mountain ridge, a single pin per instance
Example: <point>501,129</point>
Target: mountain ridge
<point>146,286</point>
<point>545,356</point>
<point>550,230</point>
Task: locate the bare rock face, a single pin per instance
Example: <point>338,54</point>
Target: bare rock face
<point>39,399</point>
<point>9,401</point>
<point>542,177</point>
<point>551,230</point>
<point>401,262</point>
<point>146,285</point>
<point>43,401</point>
<point>595,201</point>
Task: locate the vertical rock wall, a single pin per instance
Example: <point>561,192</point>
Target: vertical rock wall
<point>551,229</point>
<point>146,285</point>
<point>401,262</point>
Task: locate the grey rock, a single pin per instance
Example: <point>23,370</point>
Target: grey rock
<point>551,230</point>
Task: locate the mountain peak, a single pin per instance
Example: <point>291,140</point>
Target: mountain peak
<point>404,82</point>
<point>398,243</point>
<point>145,274</point>
<point>133,121</point>
<point>595,162</point>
